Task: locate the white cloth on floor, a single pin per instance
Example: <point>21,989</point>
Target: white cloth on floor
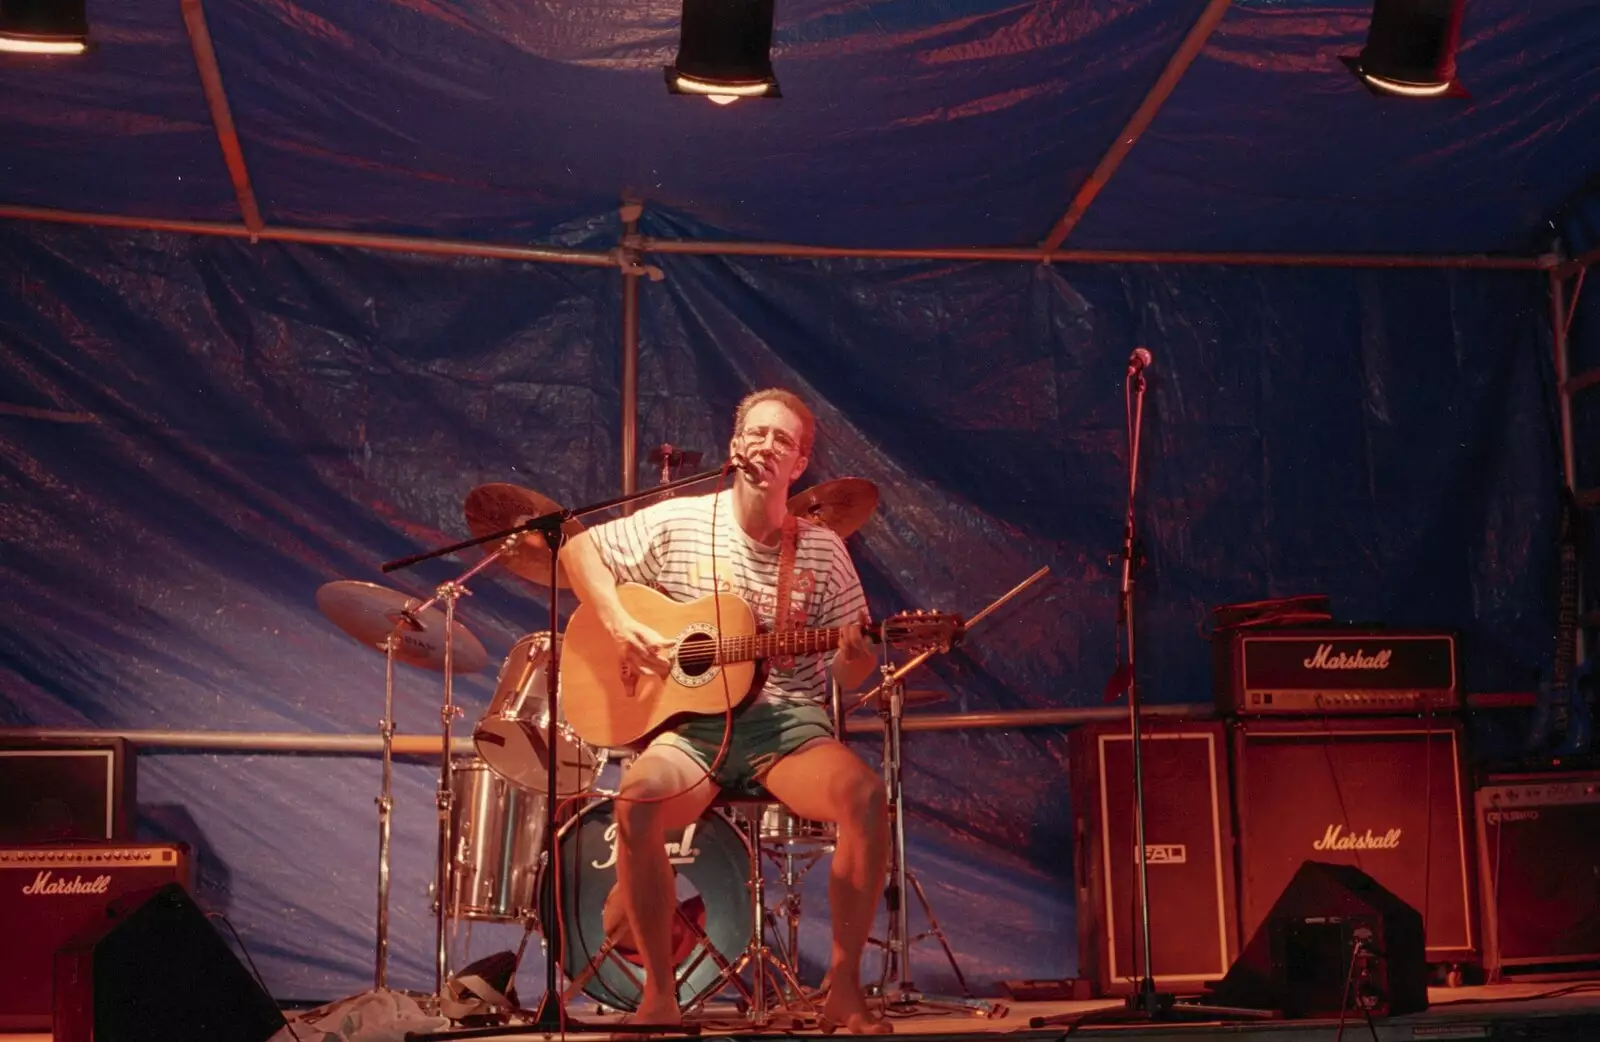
<point>374,1016</point>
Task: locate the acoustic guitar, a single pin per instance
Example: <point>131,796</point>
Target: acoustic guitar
<point>714,654</point>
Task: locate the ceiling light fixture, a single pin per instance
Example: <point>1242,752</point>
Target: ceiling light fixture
<point>724,51</point>
<point>1411,49</point>
<point>43,26</point>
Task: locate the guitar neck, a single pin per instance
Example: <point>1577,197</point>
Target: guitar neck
<point>776,645</point>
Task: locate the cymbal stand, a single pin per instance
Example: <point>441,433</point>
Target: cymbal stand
<point>444,871</point>
<point>385,802</point>
<point>902,994</point>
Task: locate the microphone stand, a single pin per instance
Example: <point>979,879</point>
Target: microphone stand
<point>551,1016</point>
<point>1145,1002</point>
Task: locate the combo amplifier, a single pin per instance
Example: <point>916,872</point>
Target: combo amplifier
<point>1539,859</point>
<point>49,894</point>
<point>1334,670</point>
<point>1188,855</point>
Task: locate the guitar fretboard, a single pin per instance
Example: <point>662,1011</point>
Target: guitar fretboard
<point>776,645</point>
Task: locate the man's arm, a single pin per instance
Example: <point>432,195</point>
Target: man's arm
<point>642,647</point>
<point>591,580</point>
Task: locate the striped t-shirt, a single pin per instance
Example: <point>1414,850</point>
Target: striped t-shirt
<point>668,546</point>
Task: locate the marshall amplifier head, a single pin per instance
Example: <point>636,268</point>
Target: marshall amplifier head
<point>1334,671</point>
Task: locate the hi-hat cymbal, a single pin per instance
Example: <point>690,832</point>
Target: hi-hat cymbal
<point>370,613</point>
<point>497,506</point>
<point>913,698</point>
<point>843,504</point>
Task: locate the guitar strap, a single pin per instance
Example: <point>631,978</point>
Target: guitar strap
<point>785,616</point>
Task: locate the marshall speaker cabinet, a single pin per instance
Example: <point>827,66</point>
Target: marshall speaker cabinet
<point>1324,671</point>
<point>49,894</point>
<point>1539,859</point>
<point>1189,847</point>
<point>1383,795</point>
<point>65,792</point>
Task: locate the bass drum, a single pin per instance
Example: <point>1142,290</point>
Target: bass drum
<point>711,861</point>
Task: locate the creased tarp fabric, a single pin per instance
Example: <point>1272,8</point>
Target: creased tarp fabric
<point>197,433</point>
<point>903,123</point>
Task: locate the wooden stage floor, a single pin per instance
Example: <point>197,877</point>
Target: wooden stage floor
<point>1523,1012</point>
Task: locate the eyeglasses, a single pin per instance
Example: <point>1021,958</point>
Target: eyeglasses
<point>781,438</point>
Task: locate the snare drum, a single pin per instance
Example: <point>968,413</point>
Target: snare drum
<point>779,827</point>
<point>511,735</point>
<point>499,835</point>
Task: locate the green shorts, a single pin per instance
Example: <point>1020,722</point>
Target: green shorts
<point>763,734</point>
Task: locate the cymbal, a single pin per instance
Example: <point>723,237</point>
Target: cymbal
<point>912,698</point>
<point>497,506</point>
<point>843,504</point>
<point>370,613</point>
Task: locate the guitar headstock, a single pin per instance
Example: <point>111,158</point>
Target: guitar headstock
<point>919,631</point>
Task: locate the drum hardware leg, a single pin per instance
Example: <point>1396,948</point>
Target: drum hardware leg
<point>937,932</point>
<point>385,810</point>
<point>765,963</point>
<point>897,990</point>
<point>792,871</point>
<point>530,923</point>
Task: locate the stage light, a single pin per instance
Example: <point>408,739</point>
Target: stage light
<point>724,51</point>
<point>1411,48</point>
<point>43,26</point>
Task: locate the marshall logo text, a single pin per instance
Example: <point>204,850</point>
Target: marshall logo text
<point>1336,838</point>
<point>1326,659</point>
<point>43,885</point>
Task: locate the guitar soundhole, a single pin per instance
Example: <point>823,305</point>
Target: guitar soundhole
<point>697,653</point>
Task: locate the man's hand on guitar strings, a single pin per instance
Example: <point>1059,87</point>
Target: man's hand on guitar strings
<point>853,640</point>
<point>643,649</point>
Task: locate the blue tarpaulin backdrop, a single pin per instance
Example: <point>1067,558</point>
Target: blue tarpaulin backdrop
<point>197,432</point>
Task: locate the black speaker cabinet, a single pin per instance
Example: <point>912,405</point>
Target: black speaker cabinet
<point>154,969</point>
<point>1539,859</point>
<point>1335,940</point>
<point>1381,795</point>
<point>1189,855</point>
<point>65,792</point>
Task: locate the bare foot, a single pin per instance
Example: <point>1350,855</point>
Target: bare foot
<point>846,1007</point>
<point>657,1009</point>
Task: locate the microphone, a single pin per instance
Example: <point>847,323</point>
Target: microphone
<point>742,464</point>
<point>1138,360</point>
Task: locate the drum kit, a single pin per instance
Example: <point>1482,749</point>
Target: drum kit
<point>493,804</point>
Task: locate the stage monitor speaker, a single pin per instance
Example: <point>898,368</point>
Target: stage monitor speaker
<point>1382,795</point>
<point>1539,859</point>
<point>1334,941</point>
<point>1189,845</point>
<point>65,792</point>
<point>155,969</point>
